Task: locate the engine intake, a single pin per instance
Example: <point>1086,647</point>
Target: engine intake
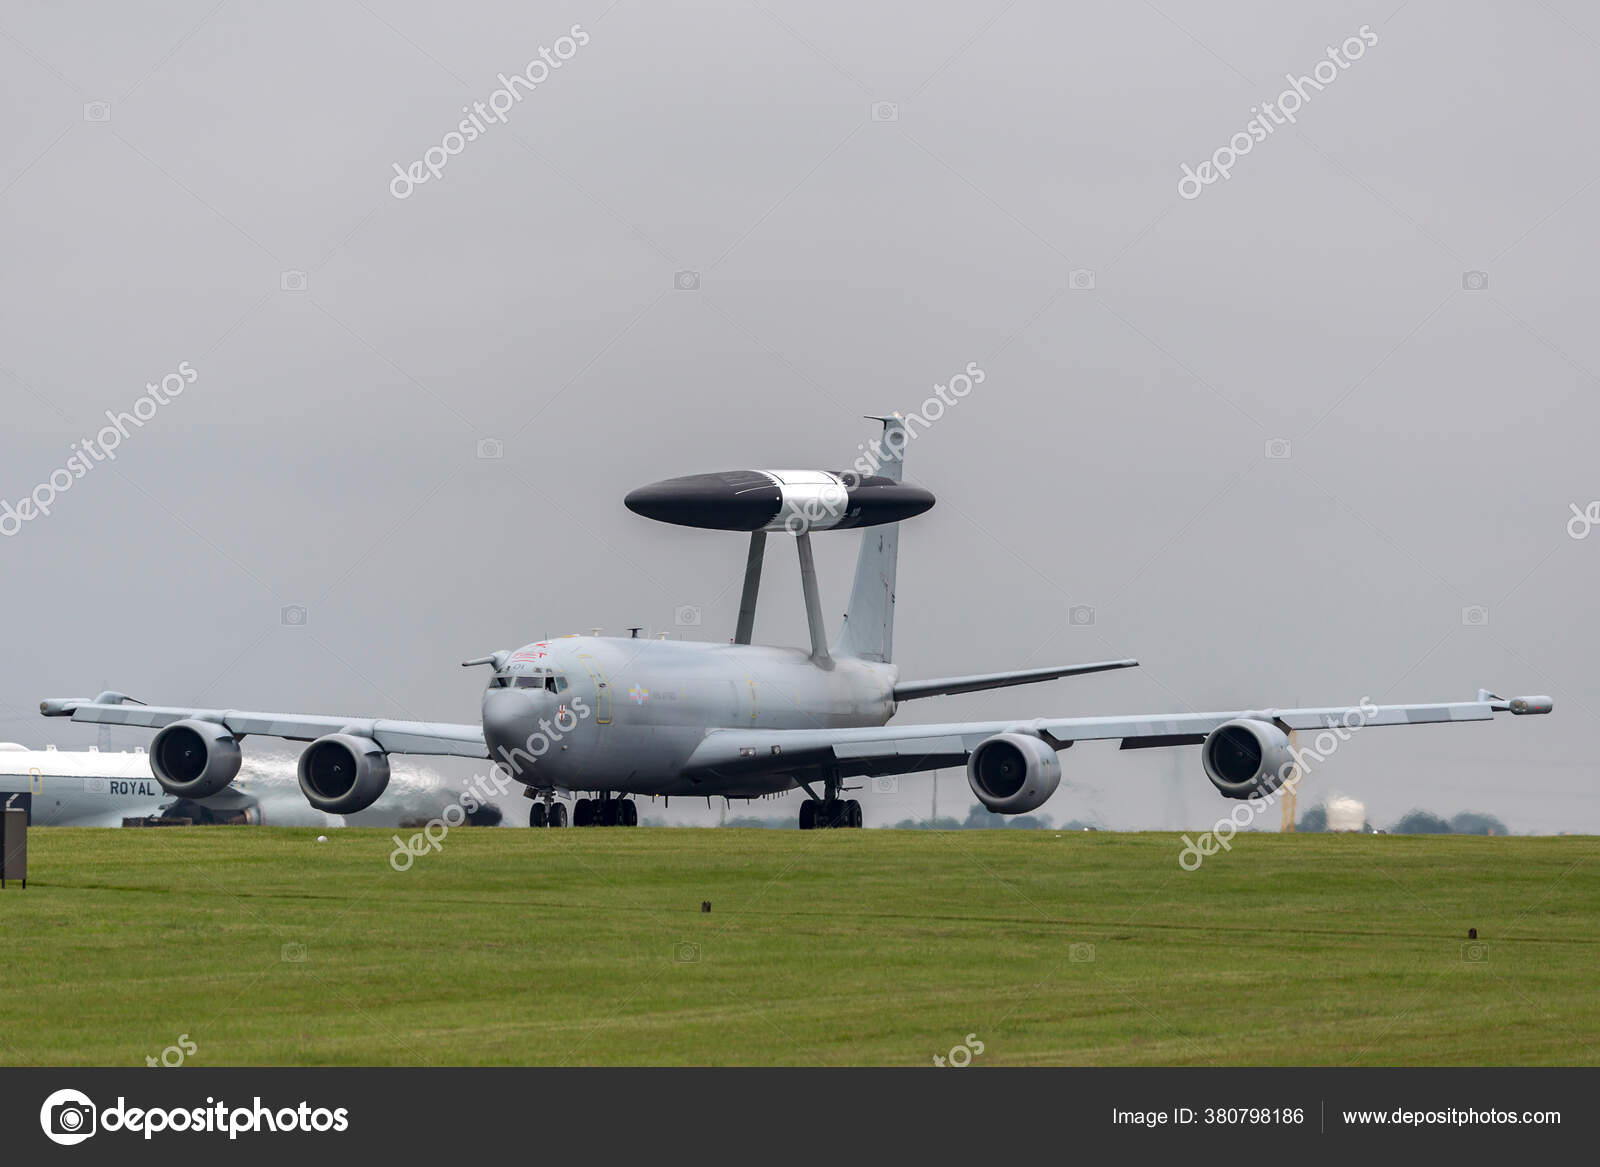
<point>1013,773</point>
<point>195,759</point>
<point>343,774</point>
<point>1246,758</point>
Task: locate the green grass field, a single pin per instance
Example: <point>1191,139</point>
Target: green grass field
<point>830,947</point>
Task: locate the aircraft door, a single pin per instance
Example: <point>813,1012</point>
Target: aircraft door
<point>602,689</point>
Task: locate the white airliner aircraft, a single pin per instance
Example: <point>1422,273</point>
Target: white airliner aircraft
<point>606,718</point>
<point>100,788</point>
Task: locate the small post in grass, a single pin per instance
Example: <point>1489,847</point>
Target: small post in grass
<point>14,846</point>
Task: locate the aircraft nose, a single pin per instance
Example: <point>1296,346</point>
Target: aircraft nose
<point>512,716</point>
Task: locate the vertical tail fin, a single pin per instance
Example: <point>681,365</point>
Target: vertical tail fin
<point>868,630</point>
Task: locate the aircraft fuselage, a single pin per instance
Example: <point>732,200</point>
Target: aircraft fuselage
<point>605,713</point>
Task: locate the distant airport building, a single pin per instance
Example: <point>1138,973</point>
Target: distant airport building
<point>1346,815</point>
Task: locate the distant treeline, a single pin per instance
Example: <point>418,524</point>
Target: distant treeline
<point>1315,820</point>
<point>978,819</point>
<point>1418,822</point>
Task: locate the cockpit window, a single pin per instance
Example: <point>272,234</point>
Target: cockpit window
<point>545,679</point>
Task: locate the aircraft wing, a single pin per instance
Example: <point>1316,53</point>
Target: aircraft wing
<point>396,737</point>
<point>904,749</point>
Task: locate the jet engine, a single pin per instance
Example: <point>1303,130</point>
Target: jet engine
<point>343,774</point>
<point>1012,773</point>
<point>195,759</point>
<point>1247,758</point>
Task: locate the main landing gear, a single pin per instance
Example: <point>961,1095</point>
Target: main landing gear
<point>605,811</point>
<point>548,813</point>
<point>830,810</point>
<point>833,812</point>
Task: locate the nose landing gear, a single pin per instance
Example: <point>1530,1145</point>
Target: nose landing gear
<point>547,812</point>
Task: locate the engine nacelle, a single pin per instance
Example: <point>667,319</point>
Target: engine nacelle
<point>1013,773</point>
<point>343,773</point>
<point>1247,758</point>
<point>195,759</point>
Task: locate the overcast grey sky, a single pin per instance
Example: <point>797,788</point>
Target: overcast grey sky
<point>873,196</point>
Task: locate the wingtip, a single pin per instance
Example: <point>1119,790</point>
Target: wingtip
<point>1520,706</point>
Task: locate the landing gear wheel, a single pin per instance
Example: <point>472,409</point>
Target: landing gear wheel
<point>832,813</point>
<point>808,815</point>
<point>536,815</point>
<point>852,813</point>
<point>558,814</point>
<point>628,813</point>
<point>583,813</point>
<point>608,813</point>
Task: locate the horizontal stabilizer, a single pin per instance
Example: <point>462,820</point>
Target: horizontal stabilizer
<point>940,686</point>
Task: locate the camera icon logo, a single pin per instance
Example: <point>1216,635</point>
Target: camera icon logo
<point>1081,954</point>
<point>1475,281</point>
<point>292,953</point>
<point>885,111</point>
<point>68,1117</point>
<point>1081,279</point>
<point>97,111</point>
<point>292,281</point>
<point>687,616</point>
<point>685,953</point>
<point>1279,449</point>
<point>885,784</point>
<point>1475,952</point>
<point>1475,616</point>
<point>293,616</point>
<point>491,449</point>
<point>1080,615</point>
<point>686,281</point>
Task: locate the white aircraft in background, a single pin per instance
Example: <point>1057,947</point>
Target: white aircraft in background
<point>100,788</point>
